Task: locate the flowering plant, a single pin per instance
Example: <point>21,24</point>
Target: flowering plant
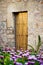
<point>9,56</point>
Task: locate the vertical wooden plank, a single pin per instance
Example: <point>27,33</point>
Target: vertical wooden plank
<point>20,30</point>
<point>17,42</point>
<point>25,23</point>
<point>20,18</point>
<point>21,41</point>
<point>25,17</point>
<point>25,30</point>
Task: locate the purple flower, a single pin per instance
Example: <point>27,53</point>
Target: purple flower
<point>17,63</point>
<point>31,62</point>
<point>32,57</point>
<point>41,64</point>
<point>8,51</point>
<point>1,57</point>
<point>14,58</point>
<point>12,53</point>
<point>41,61</point>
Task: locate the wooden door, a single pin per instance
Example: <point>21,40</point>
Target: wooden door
<point>21,30</point>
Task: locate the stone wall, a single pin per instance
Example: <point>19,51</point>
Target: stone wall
<point>35,19</point>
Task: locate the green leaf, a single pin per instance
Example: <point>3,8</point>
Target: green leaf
<point>39,43</point>
<point>37,63</point>
<point>20,60</point>
<point>32,48</point>
<point>25,59</point>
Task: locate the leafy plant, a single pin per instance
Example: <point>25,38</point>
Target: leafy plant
<point>21,60</point>
<point>8,61</point>
<point>37,47</point>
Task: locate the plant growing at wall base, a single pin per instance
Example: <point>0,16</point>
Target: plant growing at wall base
<point>37,47</point>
